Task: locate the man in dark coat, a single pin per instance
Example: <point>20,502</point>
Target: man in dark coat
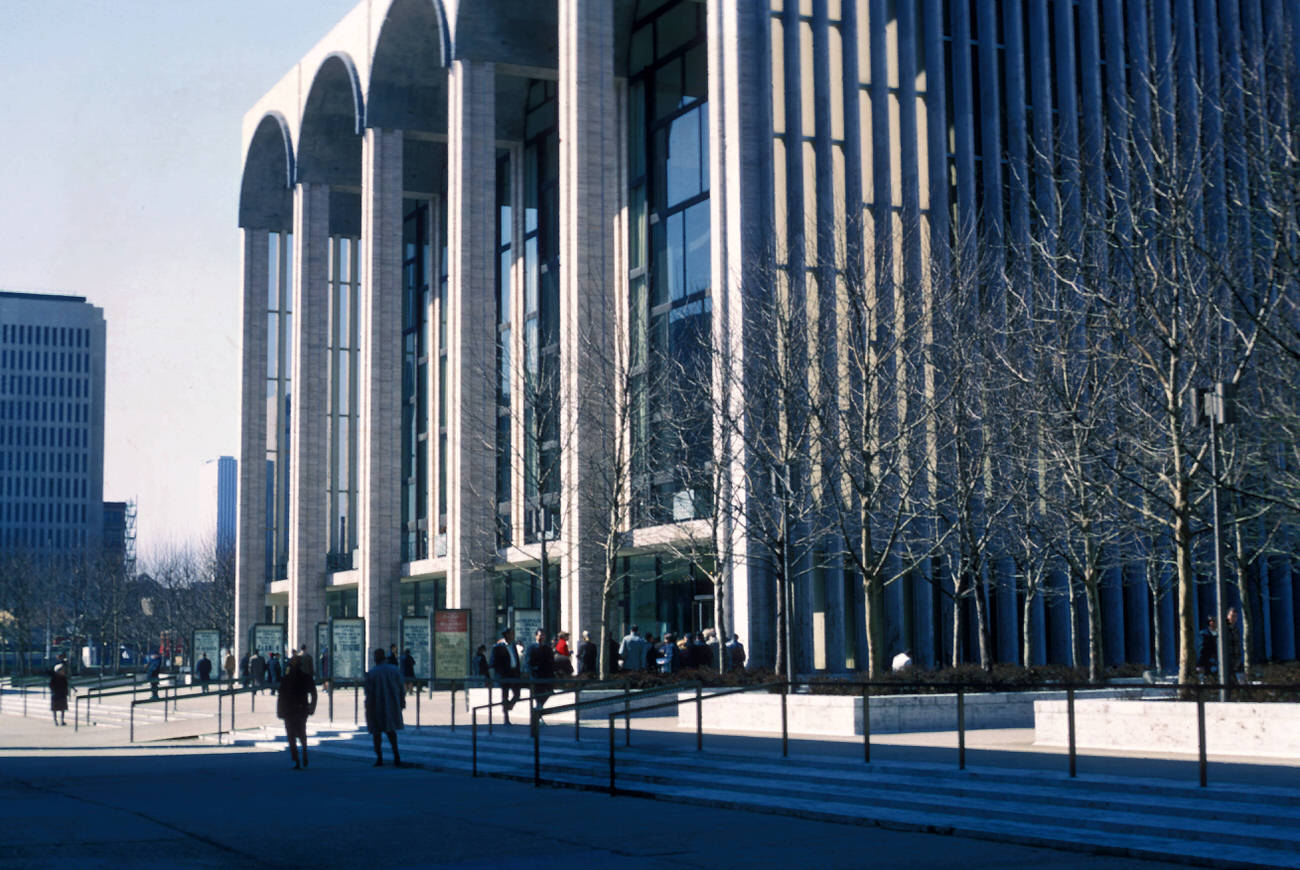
<point>408,671</point>
<point>505,670</point>
<point>273,672</point>
<point>384,703</point>
<point>257,670</point>
<point>541,666</point>
<point>154,672</point>
<point>205,671</point>
<point>59,694</point>
<point>587,655</point>
<point>297,701</point>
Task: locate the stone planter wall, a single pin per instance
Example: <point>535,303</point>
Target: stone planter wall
<point>1269,730</point>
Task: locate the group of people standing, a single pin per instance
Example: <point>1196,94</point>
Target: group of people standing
<point>1207,658</point>
<point>671,653</point>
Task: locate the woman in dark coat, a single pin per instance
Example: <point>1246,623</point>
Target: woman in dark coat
<point>59,695</point>
<point>297,701</point>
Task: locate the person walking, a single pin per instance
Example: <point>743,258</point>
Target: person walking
<point>257,670</point>
<point>632,651</point>
<point>274,673</point>
<point>563,662</point>
<point>59,690</point>
<point>408,671</point>
<point>1232,647</point>
<point>505,670</point>
<point>154,674</point>
<point>384,703</point>
<point>587,655</point>
<point>243,670</point>
<point>1207,660</point>
<point>230,668</point>
<point>481,666</point>
<point>305,662</point>
<point>204,669</point>
<point>296,702</point>
<point>541,666</point>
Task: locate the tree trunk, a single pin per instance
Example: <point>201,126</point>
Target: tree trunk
<point>1026,625</point>
<point>1071,585</point>
<point>719,592</point>
<point>980,587</point>
<point>1247,600</point>
<point>1092,596</point>
<point>1186,582</point>
<point>958,621</point>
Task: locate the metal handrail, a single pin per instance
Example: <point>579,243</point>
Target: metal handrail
<point>220,693</point>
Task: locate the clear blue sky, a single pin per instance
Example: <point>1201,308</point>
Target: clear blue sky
<point>119,180</point>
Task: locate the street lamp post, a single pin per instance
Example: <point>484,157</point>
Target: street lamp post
<point>1214,404</point>
<point>788,591</point>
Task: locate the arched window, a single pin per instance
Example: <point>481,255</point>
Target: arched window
<point>669,257</point>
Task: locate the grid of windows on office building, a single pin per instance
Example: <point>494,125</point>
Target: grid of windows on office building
<point>422,597</point>
<point>45,436</point>
<point>505,255</point>
<point>669,269</point>
<point>279,359</point>
<point>344,407</point>
<point>416,302</point>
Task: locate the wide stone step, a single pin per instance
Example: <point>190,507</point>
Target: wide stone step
<point>1223,826</point>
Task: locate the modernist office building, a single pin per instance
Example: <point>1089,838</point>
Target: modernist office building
<point>51,424</point>
<point>218,481</point>
<point>453,212</point>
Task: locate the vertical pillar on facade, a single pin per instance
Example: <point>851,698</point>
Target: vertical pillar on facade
<point>471,215</point>
<point>741,214</point>
<point>1037,632</point>
<point>1112,616</point>
<point>250,559</point>
<point>1008,613</point>
<point>833,605</point>
<point>309,433</point>
<point>1058,615</point>
<point>1137,613</point>
<point>379,456</point>
<point>1282,600</point>
<point>589,317</point>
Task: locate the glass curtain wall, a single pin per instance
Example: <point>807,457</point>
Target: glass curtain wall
<point>505,256</point>
<point>416,269</point>
<point>344,349</point>
<point>541,314</point>
<point>669,260</point>
<point>440,542</point>
<point>279,346</point>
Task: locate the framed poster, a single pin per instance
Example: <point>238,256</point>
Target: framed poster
<point>267,638</point>
<point>322,646</point>
<point>451,644</point>
<point>526,623</point>
<point>206,640</point>
<point>347,650</point>
<point>417,636</point>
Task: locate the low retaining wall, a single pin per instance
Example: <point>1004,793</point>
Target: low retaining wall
<point>841,715</point>
<point>1268,730</point>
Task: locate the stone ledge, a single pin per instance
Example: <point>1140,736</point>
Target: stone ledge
<point>1265,730</point>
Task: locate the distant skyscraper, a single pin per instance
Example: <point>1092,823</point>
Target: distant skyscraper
<point>51,423</point>
<point>217,505</point>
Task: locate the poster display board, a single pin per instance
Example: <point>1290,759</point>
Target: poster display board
<point>417,636</point>
<point>451,644</point>
<point>322,646</point>
<point>206,640</point>
<point>268,637</point>
<point>347,650</point>
<point>525,624</point>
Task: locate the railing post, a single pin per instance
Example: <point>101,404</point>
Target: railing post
<point>1200,737</point>
<point>612,717</point>
<point>356,718</point>
<point>220,712</point>
<point>76,710</point>
<point>453,704</point>
<point>1069,717</point>
<point>866,723</point>
<point>417,708</point>
<point>627,716</point>
<point>785,730</point>
<point>577,713</point>
<point>534,719</point>
<point>132,738</point>
<point>699,720</point>
<point>961,728</point>
<point>330,692</point>
<point>473,742</point>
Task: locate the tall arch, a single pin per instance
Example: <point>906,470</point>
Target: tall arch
<point>266,187</point>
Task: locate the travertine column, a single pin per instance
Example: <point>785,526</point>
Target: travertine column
<point>309,432</point>
<point>740,201</point>
<point>471,215</point>
<point>589,200</point>
<point>250,551</point>
<point>380,396</point>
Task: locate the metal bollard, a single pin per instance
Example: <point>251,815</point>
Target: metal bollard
<point>417,709</point>
<point>627,716</point>
<point>699,721</point>
<point>612,716</point>
<point>220,715</point>
<point>866,724</point>
<point>534,720</point>
<point>473,743</point>
<point>453,705</point>
<point>1200,738</point>
<point>961,729</point>
<point>356,719</point>
<point>785,730</point>
<point>1069,717</point>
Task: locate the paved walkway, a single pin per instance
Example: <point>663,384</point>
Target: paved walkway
<point>74,802</point>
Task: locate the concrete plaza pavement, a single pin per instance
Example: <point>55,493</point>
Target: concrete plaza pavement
<point>68,800</point>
